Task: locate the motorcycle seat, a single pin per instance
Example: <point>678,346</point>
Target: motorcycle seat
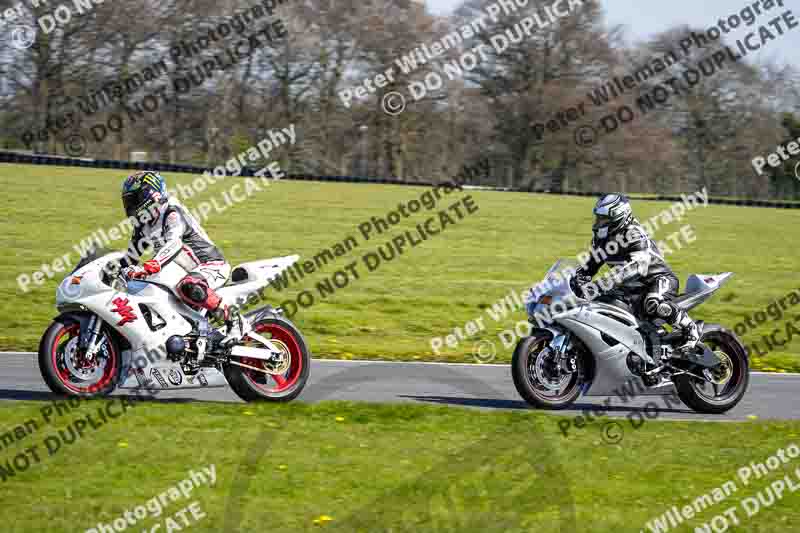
<point>688,300</point>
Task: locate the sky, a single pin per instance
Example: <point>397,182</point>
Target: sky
<point>644,18</point>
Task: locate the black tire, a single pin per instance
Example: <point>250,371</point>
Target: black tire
<point>49,359</point>
<point>245,382</point>
<point>717,336</point>
<point>520,365</point>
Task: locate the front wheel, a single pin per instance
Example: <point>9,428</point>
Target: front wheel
<point>282,379</point>
<point>729,379</point>
<point>68,370</point>
<point>539,376</point>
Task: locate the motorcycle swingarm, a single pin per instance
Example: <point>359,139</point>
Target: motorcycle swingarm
<point>707,359</point>
<point>257,353</point>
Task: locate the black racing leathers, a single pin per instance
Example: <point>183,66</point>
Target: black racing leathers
<point>633,247</point>
<point>630,245</point>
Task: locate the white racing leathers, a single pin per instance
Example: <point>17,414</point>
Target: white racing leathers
<point>175,235</point>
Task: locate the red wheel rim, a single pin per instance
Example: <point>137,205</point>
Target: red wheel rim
<point>276,383</point>
<point>63,374</point>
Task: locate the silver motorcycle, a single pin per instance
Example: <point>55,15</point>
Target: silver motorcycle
<point>579,346</point>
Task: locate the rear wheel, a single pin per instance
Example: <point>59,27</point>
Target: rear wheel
<point>68,370</point>
<point>729,379</point>
<point>279,380</point>
<point>539,376</point>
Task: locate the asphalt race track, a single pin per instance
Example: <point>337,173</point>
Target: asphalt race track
<point>770,396</point>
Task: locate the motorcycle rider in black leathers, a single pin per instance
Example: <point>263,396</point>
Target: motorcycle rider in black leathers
<point>614,221</point>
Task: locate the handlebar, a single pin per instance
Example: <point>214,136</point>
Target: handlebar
<point>113,278</point>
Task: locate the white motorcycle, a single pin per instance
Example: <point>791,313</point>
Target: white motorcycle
<point>113,333</point>
<point>595,346</point>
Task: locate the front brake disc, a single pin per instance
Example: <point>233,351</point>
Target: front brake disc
<point>71,356</point>
<point>541,372</point>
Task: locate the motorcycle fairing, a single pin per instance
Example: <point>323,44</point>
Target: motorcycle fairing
<point>165,375</point>
<point>590,323</point>
<point>122,309</point>
<point>699,288</point>
<point>253,276</point>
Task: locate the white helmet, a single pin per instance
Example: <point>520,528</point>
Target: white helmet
<point>612,213</point>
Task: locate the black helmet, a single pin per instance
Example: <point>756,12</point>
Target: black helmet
<point>142,191</point>
<point>612,214</point>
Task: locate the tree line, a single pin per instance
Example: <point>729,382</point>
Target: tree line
<point>568,104</point>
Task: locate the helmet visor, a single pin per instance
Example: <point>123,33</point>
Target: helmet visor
<point>132,201</point>
<point>601,221</point>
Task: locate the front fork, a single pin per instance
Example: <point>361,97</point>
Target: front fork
<point>560,346</point>
<point>568,362</point>
<point>90,336</point>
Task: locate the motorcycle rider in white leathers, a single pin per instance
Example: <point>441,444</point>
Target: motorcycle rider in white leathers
<point>174,234</point>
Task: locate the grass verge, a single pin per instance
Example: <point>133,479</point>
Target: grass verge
<point>446,281</point>
<point>341,466</point>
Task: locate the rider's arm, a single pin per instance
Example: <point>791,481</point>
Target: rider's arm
<point>640,256</point>
<point>172,239</point>
<point>592,265</point>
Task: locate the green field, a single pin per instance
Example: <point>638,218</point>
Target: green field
<point>394,311</point>
<point>339,466</point>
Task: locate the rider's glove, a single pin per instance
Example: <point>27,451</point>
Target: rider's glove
<point>140,272</point>
<point>152,267</point>
<point>582,275</point>
<point>134,272</point>
<point>578,281</point>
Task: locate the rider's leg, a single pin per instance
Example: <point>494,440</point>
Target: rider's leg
<point>690,330</point>
<point>197,289</point>
<point>658,304</point>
